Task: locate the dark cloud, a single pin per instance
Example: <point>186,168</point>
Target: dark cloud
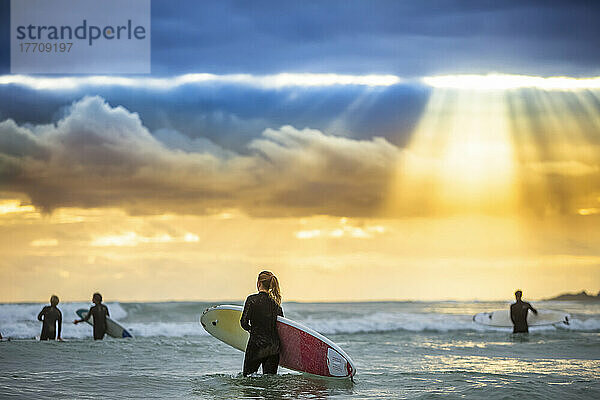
<point>406,38</point>
<point>4,36</point>
<point>232,116</point>
<point>16,141</point>
<point>96,155</point>
<point>403,38</point>
<point>100,156</point>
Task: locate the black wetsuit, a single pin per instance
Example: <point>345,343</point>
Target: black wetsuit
<point>518,316</point>
<point>260,319</point>
<point>99,312</point>
<point>51,315</point>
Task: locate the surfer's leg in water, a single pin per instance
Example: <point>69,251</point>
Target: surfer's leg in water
<point>255,357</point>
<point>270,364</point>
<point>251,364</point>
<point>99,334</point>
<point>45,334</point>
<point>48,332</point>
<point>521,329</point>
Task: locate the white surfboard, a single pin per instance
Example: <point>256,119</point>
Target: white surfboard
<point>113,328</point>
<point>302,349</point>
<point>501,318</point>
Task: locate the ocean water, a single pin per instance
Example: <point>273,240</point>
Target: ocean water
<point>415,350</point>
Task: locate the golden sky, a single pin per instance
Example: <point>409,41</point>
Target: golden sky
<point>497,188</point>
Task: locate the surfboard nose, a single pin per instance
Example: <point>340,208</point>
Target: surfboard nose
<point>351,370</point>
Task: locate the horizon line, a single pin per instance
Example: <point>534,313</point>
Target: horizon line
<point>225,301</point>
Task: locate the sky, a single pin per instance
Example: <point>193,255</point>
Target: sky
<point>359,150</point>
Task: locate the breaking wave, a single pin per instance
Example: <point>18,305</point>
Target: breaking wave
<point>180,319</point>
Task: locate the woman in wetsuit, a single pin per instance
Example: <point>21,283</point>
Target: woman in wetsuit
<point>260,319</point>
<point>50,316</point>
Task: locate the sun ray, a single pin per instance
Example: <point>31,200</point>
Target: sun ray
<point>460,158</point>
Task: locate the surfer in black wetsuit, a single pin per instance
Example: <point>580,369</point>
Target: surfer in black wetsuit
<point>99,311</point>
<point>50,316</point>
<point>518,313</point>
<point>260,319</point>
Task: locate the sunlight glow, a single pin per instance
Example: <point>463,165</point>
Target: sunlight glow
<point>481,147</point>
<point>44,243</point>
<point>308,234</point>
<point>343,231</point>
<point>283,80</point>
<point>556,140</point>
<point>275,81</point>
<point>505,82</point>
<point>129,239</point>
<point>460,157</point>
<point>132,239</point>
<point>14,206</point>
<point>190,238</point>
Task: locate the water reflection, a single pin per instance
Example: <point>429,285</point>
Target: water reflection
<point>506,366</point>
<point>283,386</point>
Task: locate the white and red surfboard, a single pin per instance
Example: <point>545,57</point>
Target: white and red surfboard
<point>302,349</point>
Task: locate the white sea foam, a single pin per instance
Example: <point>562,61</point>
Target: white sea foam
<point>384,321</point>
<point>181,319</point>
<point>168,329</point>
<point>590,324</point>
<point>20,320</point>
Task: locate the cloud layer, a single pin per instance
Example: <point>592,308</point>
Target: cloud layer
<point>358,37</point>
<point>389,37</point>
<point>98,156</point>
<point>277,81</point>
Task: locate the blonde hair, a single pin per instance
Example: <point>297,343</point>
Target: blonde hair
<point>267,280</point>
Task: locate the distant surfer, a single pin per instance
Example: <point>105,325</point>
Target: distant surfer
<point>518,313</point>
<point>99,311</point>
<point>50,317</point>
<point>260,319</point>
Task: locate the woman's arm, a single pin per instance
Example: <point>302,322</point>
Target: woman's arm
<point>246,314</point>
